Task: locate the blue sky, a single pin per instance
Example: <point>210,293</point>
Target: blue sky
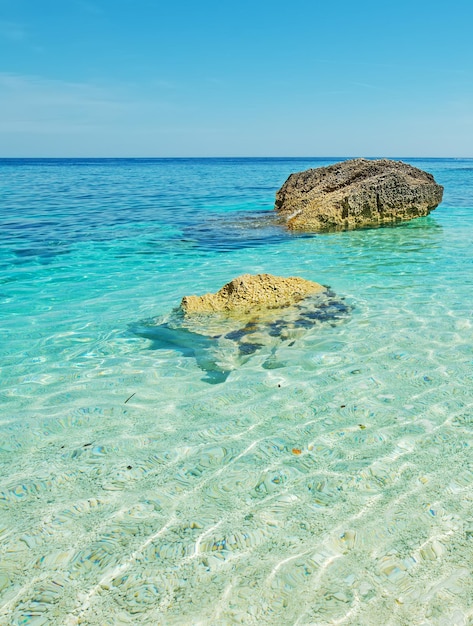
<point>260,78</point>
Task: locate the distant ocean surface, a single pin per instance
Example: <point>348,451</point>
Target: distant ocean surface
<point>325,480</point>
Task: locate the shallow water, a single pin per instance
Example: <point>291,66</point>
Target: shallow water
<point>326,480</point>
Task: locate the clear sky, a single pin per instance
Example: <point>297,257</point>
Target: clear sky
<point>236,78</point>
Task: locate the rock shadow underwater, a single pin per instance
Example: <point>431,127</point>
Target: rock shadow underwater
<point>221,343</point>
<point>237,230</point>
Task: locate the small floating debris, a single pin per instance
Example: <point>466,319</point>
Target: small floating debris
<point>130,397</point>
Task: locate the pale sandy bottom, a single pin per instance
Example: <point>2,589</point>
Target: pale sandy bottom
<point>330,485</point>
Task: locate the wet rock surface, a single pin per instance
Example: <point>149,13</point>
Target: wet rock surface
<point>358,193</point>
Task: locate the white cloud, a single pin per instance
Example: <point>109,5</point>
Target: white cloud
<point>12,31</point>
<point>46,117</point>
<point>34,104</point>
<point>89,7</point>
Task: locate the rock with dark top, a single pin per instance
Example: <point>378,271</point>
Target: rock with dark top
<point>358,193</point>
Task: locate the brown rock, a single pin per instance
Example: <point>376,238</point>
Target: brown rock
<point>356,194</point>
<point>248,292</point>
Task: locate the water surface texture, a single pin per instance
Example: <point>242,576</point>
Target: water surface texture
<point>325,479</point>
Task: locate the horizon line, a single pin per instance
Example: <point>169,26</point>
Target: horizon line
<point>99,158</point>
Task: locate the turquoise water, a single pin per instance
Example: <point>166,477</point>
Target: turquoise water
<point>326,480</point>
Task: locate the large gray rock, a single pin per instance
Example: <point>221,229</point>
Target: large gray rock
<point>356,194</point>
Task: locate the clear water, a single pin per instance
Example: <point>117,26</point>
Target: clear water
<point>332,487</point>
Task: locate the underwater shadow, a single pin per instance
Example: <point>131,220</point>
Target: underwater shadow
<point>221,344</point>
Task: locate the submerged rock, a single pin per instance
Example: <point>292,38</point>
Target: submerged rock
<point>358,193</point>
<point>222,340</point>
<point>248,291</point>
